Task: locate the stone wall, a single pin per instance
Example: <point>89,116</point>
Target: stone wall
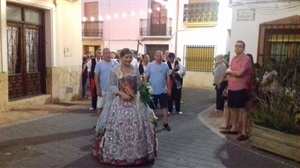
<point>4,91</point>
<point>63,83</point>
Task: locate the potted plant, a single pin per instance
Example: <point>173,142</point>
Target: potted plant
<point>276,120</point>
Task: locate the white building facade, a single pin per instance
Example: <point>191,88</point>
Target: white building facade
<point>270,28</point>
<point>195,30</point>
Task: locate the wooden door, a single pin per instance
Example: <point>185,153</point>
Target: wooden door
<point>151,49</point>
<point>33,58</point>
<point>26,60</point>
<point>91,26</point>
<point>15,60</point>
<point>158,25</point>
<point>25,51</point>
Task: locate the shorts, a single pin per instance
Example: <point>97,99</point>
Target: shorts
<point>101,101</point>
<point>249,96</point>
<point>237,98</point>
<point>163,101</point>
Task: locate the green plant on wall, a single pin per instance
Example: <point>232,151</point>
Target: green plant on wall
<point>227,58</point>
<point>278,96</point>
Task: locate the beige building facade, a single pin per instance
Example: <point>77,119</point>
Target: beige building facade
<point>40,59</point>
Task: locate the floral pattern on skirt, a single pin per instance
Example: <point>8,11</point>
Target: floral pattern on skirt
<point>128,140</point>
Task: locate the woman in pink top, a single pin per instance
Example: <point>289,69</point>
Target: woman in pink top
<point>239,72</point>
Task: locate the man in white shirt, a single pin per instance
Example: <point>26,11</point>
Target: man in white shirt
<point>90,68</point>
<point>176,71</point>
<point>166,56</point>
<point>134,62</point>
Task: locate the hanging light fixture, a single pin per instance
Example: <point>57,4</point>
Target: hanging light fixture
<point>92,19</point>
<point>132,13</point>
<point>108,17</point>
<point>116,15</point>
<point>141,12</point>
<point>124,15</point>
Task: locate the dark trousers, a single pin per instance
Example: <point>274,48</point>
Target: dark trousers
<point>93,93</point>
<point>219,98</point>
<point>84,87</point>
<point>176,97</point>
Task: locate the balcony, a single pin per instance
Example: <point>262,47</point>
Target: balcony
<point>92,29</point>
<point>156,28</point>
<point>201,14</point>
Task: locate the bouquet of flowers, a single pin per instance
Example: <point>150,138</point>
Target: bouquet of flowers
<point>145,92</point>
<point>146,97</point>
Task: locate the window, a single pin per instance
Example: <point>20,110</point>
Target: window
<point>200,58</point>
<point>279,40</point>
<point>92,27</point>
<point>14,13</point>
<point>199,14</point>
<point>158,19</point>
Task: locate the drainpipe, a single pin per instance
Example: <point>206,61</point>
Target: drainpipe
<point>176,29</point>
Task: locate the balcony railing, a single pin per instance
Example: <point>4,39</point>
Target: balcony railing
<point>201,14</point>
<point>153,27</point>
<point>92,29</point>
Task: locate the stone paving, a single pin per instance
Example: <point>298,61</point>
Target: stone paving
<point>64,140</point>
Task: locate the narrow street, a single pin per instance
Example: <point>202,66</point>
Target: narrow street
<point>64,140</point>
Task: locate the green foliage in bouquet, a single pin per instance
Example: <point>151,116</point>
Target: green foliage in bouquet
<point>145,92</point>
<point>154,122</point>
<point>278,101</point>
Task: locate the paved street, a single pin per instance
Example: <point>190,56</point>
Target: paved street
<point>64,140</point>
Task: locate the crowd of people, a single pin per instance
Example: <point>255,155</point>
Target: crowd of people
<point>125,132</point>
<point>235,86</point>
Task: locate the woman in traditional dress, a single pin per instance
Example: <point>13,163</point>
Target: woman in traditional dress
<point>125,135</point>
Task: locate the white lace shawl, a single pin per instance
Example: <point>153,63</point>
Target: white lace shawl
<point>144,111</point>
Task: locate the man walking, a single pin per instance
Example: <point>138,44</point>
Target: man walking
<point>176,71</point>
<point>91,68</point>
<point>157,73</point>
<point>102,72</point>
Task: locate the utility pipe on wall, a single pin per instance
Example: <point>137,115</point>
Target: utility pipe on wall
<point>176,30</point>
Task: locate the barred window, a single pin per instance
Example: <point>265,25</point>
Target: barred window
<point>199,58</point>
<point>197,13</point>
<point>280,42</point>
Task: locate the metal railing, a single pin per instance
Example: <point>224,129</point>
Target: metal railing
<point>199,58</point>
<point>200,12</point>
<point>279,42</point>
<point>92,29</point>
<point>149,27</point>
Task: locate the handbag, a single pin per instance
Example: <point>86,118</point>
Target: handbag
<point>225,92</point>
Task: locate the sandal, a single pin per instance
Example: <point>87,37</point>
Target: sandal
<point>229,132</point>
<point>242,137</point>
<point>225,127</point>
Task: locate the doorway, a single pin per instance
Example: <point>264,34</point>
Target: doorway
<point>151,49</point>
<point>25,52</point>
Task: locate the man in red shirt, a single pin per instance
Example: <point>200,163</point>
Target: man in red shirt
<point>239,72</point>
